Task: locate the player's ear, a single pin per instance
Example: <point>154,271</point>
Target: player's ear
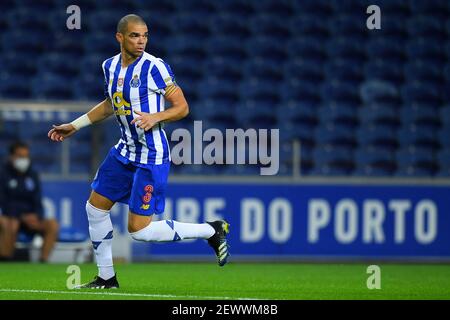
<point>119,37</point>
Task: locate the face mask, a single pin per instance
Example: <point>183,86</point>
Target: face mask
<point>21,164</point>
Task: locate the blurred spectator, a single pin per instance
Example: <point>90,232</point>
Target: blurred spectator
<point>21,204</point>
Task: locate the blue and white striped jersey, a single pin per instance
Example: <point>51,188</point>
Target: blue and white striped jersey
<point>140,86</point>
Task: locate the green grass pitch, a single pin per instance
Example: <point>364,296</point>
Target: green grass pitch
<point>191,281</point>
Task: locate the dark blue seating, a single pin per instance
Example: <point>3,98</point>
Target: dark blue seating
<point>259,68</point>
<point>340,92</point>
<point>224,24</point>
<point>307,48</point>
<point>266,25</point>
<point>413,135</point>
<point>378,69</point>
<point>375,162</point>
<point>380,113</point>
<point>386,49</point>
<point>342,70</point>
<point>378,136</point>
<point>335,161</point>
<point>427,27</point>
<point>335,136</point>
<point>228,47</point>
<point>192,24</point>
<point>416,162</point>
<point>375,91</point>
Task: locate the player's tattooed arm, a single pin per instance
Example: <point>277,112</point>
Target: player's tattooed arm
<point>98,113</point>
<point>178,110</point>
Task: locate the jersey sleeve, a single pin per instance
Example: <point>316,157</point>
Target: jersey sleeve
<point>105,80</point>
<point>161,78</point>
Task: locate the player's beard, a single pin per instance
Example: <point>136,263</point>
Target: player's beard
<point>132,54</point>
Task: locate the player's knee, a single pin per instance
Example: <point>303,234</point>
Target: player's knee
<point>137,222</point>
<point>51,226</point>
<point>134,226</point>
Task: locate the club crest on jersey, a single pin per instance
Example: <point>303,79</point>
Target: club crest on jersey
<point>135,82</point>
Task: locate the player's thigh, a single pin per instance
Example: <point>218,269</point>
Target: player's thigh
<point>32,222</point>
<point>149,190</point>
<point>100,202</point>
<point>12,225</point>
<point>112,183</point>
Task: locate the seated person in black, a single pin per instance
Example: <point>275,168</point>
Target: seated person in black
<point>21,204</point>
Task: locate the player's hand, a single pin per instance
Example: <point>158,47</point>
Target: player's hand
<point>61,132</point>
<point>145,120</point>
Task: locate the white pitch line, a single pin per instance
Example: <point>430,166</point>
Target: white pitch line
<point>124,294</point>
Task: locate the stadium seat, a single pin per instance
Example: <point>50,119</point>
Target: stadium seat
<point>412,135</point>
<point>424,116</point>
<point>335,135</point>
<point>427,27</point>
<point>53,87</point>
<point>36,6</point>
<point>339,114</point>
<point>256,114</point>
<point>307,25</point>
<point>304,132</point>
<point>339,92</point>
<point>393,26</point>
<point>341,47</point>
<point>321,9</point>
<point>443,137</point>
<point>423,72</point>
<point>222,69</point>
<point>333,160</point>
<point>374,162</point>
<point>15,86</point>
<point>59,64</point>
<point>375,91</point>
<point>347,24</point>
<point>259,68</point>
<point>422,93</point>
<point>377,69</point>
<point>426,50</point>
<point>225,24</point>
<point>262,91</point>
<point>228,47</point>
<point>264,24</point>
<point>263,47</point>
<point>239,8</point>
<point>304,70</point>
<point>214,110</point>
<point>380,113</point>
<point>341,70</point>
<point>302,91</point>
<point>436,8</point>
<point>296,111</point>
<point>386,49</point>
<point>24,19</point>
<point>380,135</point>
<point>101,43</point>
<point>308,49</point>
<point>203,7</point>
<point>349,6</point>
<point>219,90</point>
<point>192,23</point>
<point>415,162</point>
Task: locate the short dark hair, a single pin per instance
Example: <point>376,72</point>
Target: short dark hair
<point>123,23</point>
<point>17,145</point>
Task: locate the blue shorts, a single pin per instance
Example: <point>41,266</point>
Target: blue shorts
<point>143,189</point>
